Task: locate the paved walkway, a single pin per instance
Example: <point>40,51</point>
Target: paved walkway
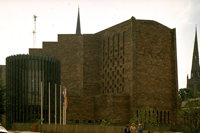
<point>22,132</point>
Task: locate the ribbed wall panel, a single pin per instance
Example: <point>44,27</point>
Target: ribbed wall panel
<point>24,75</point>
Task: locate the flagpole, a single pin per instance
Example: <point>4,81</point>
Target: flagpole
<point>49,105</point>
<point>63,107</point>
<point>60,104</point>
<point>55,104</point>
<point>41,111</point>
<point>65,103</point>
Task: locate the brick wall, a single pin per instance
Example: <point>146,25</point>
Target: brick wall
<point>69,50</point>
<point>122,69</point>
<point>80,108</point>
<point>91,63</point>
<point>112,107</point>
<point>154,55</point>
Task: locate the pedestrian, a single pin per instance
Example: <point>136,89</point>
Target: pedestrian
<point>140,129</point>
<point>127,130</point>
<point>133,128</point>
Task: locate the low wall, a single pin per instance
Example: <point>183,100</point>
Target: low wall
<point>46,128</point>
<point>81,129</point>
<point>22,126</point>
<point>87,129</point>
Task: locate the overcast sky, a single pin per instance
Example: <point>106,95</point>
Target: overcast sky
<point>59,17</point>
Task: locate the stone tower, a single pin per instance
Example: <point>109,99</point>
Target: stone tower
<point>194,81</point>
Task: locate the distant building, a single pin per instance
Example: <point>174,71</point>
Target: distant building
<point>3,73</point>
<point>3,82</point>
<point>194,81</point>
<point>115,73</point>
<point>24,76</point>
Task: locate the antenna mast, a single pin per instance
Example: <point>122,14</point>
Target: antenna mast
<point>34,31</point>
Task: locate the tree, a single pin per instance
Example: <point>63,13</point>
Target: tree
<point>2,99</point>
<point>104,123</point>
<point>191,115</point>
<point>186,93</point>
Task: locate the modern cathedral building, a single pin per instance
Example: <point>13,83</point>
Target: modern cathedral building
<point>194,81</point>
<point>115,73</point>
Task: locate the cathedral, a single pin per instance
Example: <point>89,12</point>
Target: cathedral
<point>115,73</point>
<point>194,81</point>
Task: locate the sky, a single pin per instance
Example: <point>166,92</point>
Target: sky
<point>60,16</point>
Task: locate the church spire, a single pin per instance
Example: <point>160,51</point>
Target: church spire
<point>195,59</point>
<point>78,26</point>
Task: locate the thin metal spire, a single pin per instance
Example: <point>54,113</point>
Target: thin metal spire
<point>34,31</point>
<point>78,26</point>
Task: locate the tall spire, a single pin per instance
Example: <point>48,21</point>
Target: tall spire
<point>195,72</point>
<point>78,26</point>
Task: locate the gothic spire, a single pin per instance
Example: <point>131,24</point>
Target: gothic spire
<point>195,59</point>
<point>78,26</point>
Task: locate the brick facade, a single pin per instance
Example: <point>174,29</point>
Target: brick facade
<point>117,72</point>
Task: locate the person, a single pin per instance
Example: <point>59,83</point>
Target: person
<point>133,128</point>
<point>140,129</point>
<point>127,130</point>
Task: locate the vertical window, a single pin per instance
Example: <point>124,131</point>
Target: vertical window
<point>164,116</point>
<point>103,50</point>
<point>118,43</point>
<point>168,117</point>
<point>113,45</point>
<point>160,116</point>
<point>124,36</point>
<point>137,114</point>
<point>108,46</point>
<point>157,116</point>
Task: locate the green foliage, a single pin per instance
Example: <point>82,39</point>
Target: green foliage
<point>191,114</point>
<point>37,121</point>
<point>105,123</point>
<point>186,93</point>
<point>146,117</point>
